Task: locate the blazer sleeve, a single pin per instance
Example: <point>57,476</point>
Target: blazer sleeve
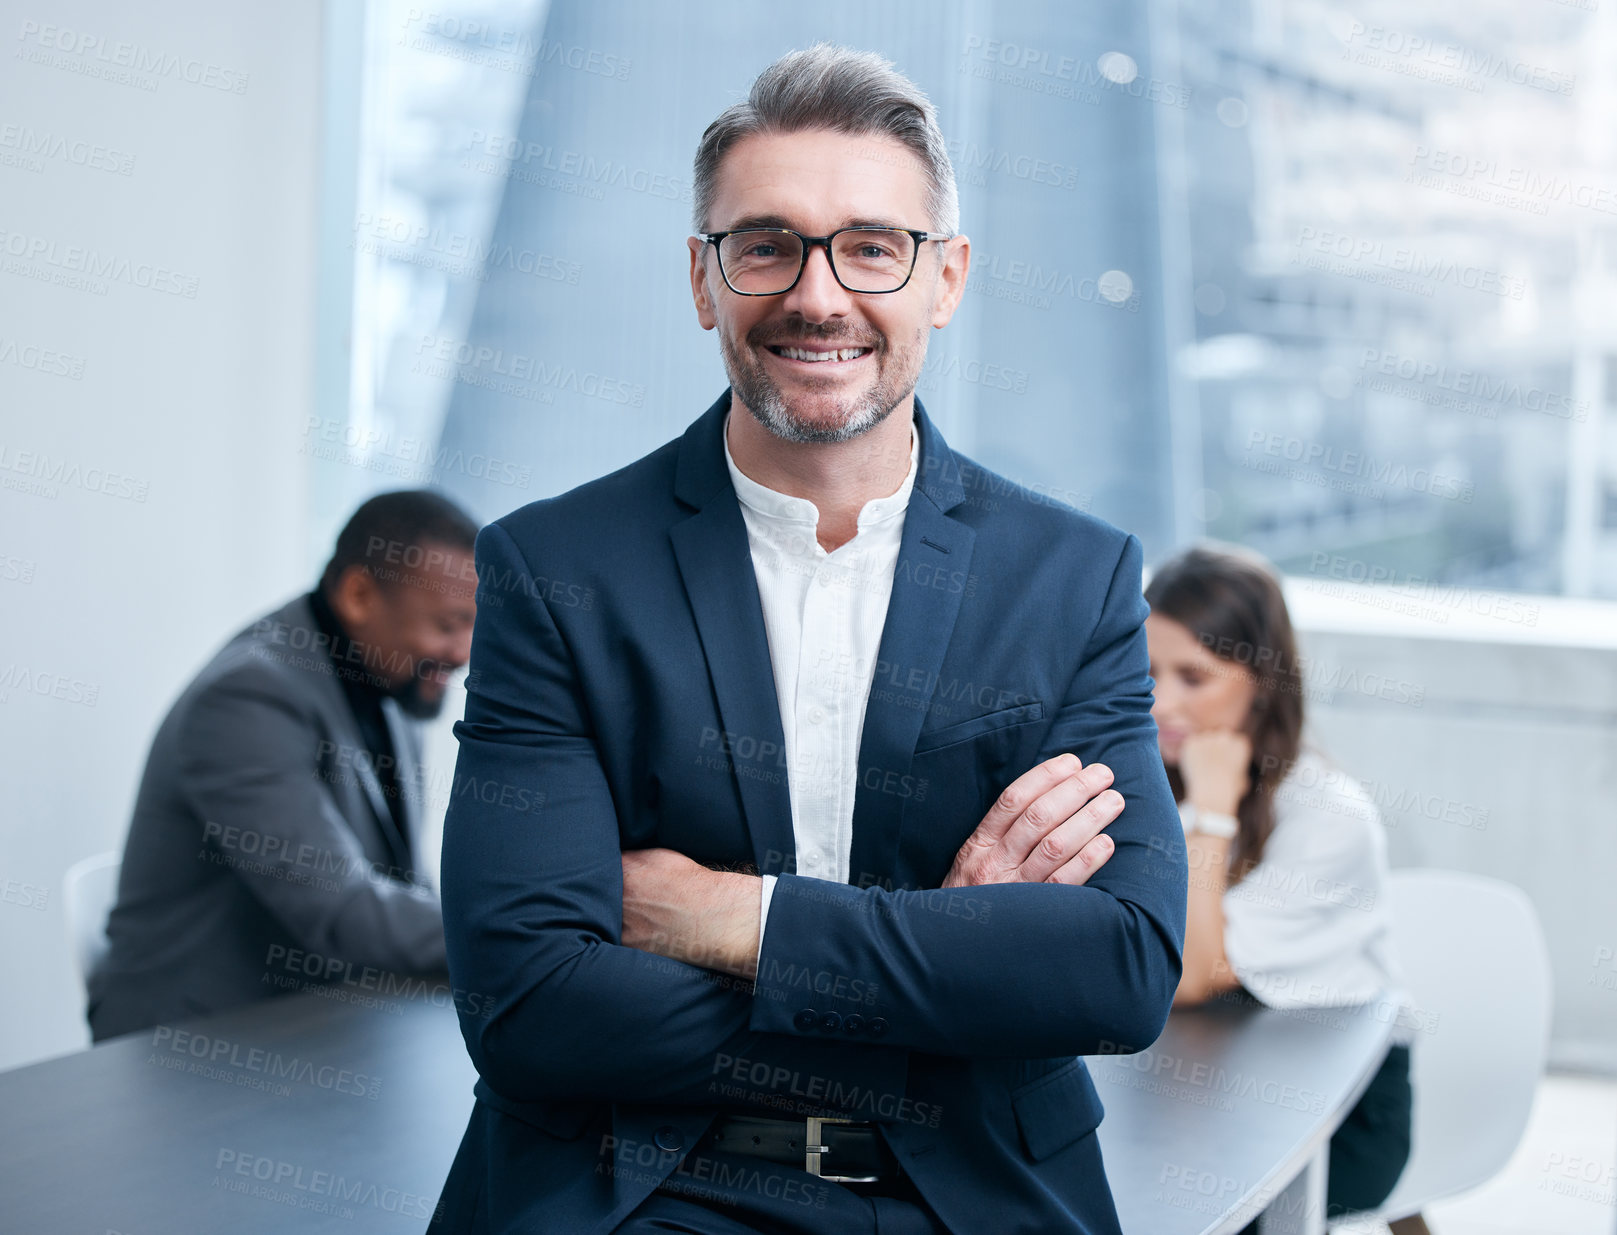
<point>249,772</point>
<point>1020,969</point>
<point>533,905</point>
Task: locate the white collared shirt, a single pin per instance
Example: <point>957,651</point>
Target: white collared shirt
<point>824,614</point>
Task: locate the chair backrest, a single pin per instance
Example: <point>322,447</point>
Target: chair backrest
<point>88,891</point>
<point>1479,975</point>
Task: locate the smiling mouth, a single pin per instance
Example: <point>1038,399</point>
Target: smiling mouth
<point>837,355</point>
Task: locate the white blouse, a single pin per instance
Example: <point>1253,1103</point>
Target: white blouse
<point>1310,925</point>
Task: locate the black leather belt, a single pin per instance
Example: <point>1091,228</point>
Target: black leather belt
<point>853,1151</point>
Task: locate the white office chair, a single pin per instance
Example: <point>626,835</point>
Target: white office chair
<point>1474,954</point>
<point>88,891</point>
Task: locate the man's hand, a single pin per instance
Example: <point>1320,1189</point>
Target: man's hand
<point>1045,828</point>
<point>680,909</point>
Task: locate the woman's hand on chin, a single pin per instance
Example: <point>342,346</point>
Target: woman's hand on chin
<point>1213,764</point>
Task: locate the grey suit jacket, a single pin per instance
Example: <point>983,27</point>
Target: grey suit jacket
<point>262,857</point>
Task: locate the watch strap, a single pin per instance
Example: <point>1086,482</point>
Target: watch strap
<point>1209,823</point>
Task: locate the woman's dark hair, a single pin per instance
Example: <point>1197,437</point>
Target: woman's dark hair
<point>1230,599</point>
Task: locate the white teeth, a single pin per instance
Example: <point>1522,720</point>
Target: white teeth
<point>846,353</point>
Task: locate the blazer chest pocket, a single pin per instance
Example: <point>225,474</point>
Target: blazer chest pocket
<point>977,726</point>
<point>1055,1110</point>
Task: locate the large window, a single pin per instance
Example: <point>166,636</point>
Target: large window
<point>1401,235</point>
<point>1333,281</point>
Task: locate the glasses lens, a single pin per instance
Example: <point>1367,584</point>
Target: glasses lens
<point>877,259</point>
<point>761,262</point>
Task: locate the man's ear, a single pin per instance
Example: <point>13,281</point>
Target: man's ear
<point>952,279</point>
<point>356,595</point>
<point>699,288</point>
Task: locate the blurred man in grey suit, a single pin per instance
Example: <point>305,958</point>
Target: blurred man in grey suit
<point>273,840</point>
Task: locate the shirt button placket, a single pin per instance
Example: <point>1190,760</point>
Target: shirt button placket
<point>817,648</point>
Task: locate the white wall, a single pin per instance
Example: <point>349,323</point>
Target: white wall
<point>1485,724</point>
<point>200,402</point>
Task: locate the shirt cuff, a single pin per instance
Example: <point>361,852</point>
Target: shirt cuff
<point>763,917</point>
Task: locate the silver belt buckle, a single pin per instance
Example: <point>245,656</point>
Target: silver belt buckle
<point>813,1148</point>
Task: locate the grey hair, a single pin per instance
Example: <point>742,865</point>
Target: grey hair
<point>830,87</point>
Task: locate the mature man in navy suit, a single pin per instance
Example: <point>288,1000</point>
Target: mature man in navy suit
<point>831,880</point>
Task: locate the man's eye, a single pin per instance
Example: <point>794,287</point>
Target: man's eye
<point>1192,679</point>
<point>763,248</point>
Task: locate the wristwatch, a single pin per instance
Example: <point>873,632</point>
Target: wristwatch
<point>1207,822</point>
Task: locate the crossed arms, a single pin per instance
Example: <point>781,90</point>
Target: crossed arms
<point>1045,828</point>
<point>542,912</point>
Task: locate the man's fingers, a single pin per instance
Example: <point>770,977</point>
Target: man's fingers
<point>1058,846</point>
<point>1085,863</point>
<point>1049,812</point>
<point>1020,794</point>
<point>1053,804</point>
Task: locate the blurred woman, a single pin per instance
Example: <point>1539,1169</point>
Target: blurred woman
<point>1288,862</point>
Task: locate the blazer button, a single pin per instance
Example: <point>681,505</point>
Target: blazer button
<point>668,1139</point>
<point>831,1021</point>
<point>877,1027</point>
<point>806,1019</point>
<point>853,1024</point>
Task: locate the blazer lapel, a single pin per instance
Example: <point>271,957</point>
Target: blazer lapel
<point>407,768</point>
<point>932,576</point>
<point>396,846</point>
<point>715,561</point>
<point>345,730</point>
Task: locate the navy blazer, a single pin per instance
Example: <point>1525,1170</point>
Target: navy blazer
<point>621,696</point>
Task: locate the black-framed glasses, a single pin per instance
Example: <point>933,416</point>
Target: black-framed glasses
<point>768,261</point>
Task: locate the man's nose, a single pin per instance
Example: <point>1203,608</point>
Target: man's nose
<point>818,295</point>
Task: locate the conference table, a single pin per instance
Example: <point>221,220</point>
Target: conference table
<point>1230,1112</point>
<point>305,1113</point>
